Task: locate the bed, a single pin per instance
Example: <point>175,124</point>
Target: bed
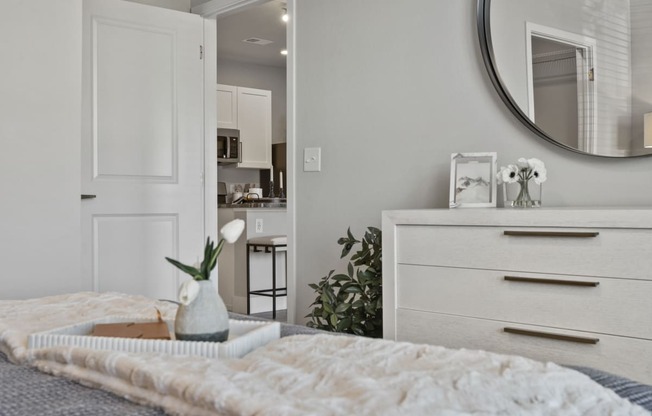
<point>305,372</point>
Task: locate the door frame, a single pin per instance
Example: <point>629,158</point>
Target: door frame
<point>215,9</point>
<point>588,104</point>
<point>209,52</point>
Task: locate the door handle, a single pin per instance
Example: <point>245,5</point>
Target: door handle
<point>572,234</point>
<point>549,335</point>
<point>88,196</point>
<point>550,281</point>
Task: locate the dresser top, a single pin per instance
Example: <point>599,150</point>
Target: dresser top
<point>524,217</point>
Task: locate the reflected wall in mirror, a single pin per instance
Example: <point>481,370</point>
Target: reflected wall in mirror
<point>576,72</point>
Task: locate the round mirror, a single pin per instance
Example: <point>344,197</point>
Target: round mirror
<point>577,73</point>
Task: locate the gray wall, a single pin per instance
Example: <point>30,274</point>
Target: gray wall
<point>40,140</point>
<point>387,120</point>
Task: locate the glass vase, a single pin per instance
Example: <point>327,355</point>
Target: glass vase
<point>522,194</point>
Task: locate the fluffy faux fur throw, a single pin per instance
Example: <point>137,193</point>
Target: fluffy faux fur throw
<point>307,374</point>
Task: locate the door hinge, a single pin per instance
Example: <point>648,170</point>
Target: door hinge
<point>201,51</point>
<point>592,74</point>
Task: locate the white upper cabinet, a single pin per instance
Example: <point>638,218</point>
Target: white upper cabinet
<point>250,111</point>
<point>255,125</point>
<point>227,107</point>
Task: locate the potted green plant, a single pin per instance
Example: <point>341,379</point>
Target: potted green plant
<point>351,302</point>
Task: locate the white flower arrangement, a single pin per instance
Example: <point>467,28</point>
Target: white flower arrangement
<point>190,288</point>
<point>523,171</point>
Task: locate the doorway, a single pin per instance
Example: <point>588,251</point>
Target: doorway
<point>242,56</point>
<point>561,84</point>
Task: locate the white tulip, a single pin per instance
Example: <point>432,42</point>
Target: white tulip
<point>188,292</point>
<point>232,230</point>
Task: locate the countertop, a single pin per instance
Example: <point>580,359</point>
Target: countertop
<point>280,203</point>
<point>255,205</point>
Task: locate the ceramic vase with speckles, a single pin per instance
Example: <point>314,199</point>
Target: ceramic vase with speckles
<point>205,318</point>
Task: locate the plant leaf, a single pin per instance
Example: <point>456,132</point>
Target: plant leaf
<point>186,269</point>
<point>341,278</point>
<point>342,307</point>
<point>353,289</point>
<point>218,250</point>
<point>343,325</point>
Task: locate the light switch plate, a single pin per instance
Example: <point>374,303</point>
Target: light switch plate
<point>312,159</point>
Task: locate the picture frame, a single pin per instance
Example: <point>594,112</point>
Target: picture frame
<point>473,180</point>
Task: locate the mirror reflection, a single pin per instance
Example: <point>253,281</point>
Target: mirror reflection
<point>580,70</point>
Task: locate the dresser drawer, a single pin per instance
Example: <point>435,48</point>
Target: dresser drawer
<point>625,253</point>
<point>627,357</point>
<point>612,306</point>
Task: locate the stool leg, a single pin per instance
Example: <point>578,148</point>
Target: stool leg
<point>274,282</point>
<point>248,283</point>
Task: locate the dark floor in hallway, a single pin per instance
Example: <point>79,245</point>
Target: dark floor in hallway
<point>281,315</point>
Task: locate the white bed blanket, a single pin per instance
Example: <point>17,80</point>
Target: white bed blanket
<point>307,374</point>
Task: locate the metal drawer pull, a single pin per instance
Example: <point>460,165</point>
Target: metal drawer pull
<point>551,281</point>
<point>87,196</point>
<point>576,234</point>
<point>560,337</point>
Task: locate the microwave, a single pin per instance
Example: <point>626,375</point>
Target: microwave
<point>229,148</point>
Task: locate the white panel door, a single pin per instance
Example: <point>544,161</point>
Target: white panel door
<point>142,146</point>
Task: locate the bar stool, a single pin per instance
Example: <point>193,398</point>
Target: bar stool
<point>269,244</point>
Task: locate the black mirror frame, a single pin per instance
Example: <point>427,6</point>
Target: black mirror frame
<point>484,36</point>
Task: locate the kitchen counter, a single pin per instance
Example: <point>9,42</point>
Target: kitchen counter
<point>258,203</point>
<point>282,205</point>
<point>261,219</point>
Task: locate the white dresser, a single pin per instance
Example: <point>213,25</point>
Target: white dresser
<point>573,286</point>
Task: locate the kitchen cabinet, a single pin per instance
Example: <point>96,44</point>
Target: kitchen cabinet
<point>227,107</point>
<point>250,111</point>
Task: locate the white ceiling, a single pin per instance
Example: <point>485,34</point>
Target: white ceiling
<point>262,21</point>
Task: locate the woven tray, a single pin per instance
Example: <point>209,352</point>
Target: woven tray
<point>244,337</point>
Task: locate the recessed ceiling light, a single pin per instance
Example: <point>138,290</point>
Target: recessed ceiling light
<point>284,52</point>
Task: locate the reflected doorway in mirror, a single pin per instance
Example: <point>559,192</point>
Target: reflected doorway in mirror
<point>561,87</point>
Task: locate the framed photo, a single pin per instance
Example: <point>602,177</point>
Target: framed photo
<point>473,180</point>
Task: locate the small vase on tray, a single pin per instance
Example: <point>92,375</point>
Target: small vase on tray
<point>202,315</point>
<point>205,318</point>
